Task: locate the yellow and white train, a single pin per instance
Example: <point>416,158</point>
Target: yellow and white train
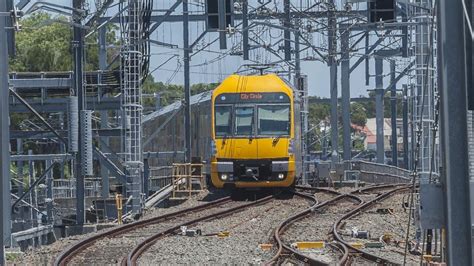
<point>252,124</point>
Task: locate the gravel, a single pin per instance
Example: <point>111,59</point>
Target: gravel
<point>45,255</point>
<point>317,227</point>
<point>248,229</point>
<point>112,250</point>
<point>377,224</point>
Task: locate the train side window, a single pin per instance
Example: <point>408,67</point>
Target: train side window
<point>222,120</point>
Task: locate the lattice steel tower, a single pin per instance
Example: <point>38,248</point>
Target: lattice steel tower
<point>131,66</point>
<point>425,86</point>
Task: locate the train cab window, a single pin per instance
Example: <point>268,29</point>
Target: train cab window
<point>273,120</point>
<point>223,121</point>
<point>243,121</point>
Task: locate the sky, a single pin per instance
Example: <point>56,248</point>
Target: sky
<point>203,71</point>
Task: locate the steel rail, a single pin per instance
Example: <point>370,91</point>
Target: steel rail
<point>357,211</point>
<point>139,249</point>
<point>319,189</point>
<point>298,216</point>
<point>133,256</point>
<point>286,223</point>
<point>67,255</point>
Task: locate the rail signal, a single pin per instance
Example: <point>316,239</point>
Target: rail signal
<point>219,17</point>
<point>382,11</point>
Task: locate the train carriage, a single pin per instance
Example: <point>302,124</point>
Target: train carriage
<point>255,126</point>
<point>247,131</point>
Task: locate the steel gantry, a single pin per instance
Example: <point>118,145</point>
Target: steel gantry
<point>454,92</point>
<point>4,134</point>
<point>78,46</point>
<point>326,31</point>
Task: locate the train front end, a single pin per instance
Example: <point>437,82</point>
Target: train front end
<point>253,133</point>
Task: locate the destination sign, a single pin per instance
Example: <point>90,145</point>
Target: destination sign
<point>253,97</point>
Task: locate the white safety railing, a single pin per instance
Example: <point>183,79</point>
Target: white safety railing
<point>381,173</point>
<point>66,188</point>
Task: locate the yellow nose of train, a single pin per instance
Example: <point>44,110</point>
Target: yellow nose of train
<point>254,133</point>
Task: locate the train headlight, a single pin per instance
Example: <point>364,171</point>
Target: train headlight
<point>281,176</point>
<point>224,177</point>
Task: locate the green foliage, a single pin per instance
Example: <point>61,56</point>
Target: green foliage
<point>12,256</point>
<point>202,87</point>
<point>322,111</point>
<point>359,144</point>
<point>92,48</point>
<point>358,114</point>
<point>171,92</point>
<point>46,48</point>
<point>44,44</point>
<point>370,105</point>
<point>318,112</point>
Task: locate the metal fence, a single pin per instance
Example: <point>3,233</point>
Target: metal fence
<point>66,188</point>
<point>160,177</point>
<point>380,173</point>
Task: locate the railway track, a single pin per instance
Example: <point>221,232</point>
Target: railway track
<point>351,251</point>
<point>73,251</point>
<point>105,248</point>
<point>285,249</point>
<point>139,250</point>
<point>146,233</point>
<point>343,248</point>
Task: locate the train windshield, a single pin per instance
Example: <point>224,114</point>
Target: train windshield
<point>223,120</point>
<point>243,121</point>
<point>252,115</point>
<point>273,120</point>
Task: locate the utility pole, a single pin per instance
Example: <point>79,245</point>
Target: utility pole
<point>346,95</point>
<point>332,47</point>
<point>221,5</point>
<point>287,32</point>
<point>455,175</point>
<point>405,127</point>
<point>393,107</point>
<point>104,115</point>
<point>187,86</point>
<point>379,114</point>
<point>301,85</point>
<point>245,32</point>
<point>78,44</point>
<point>4,135</point>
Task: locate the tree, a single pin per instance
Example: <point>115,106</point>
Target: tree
<point>318,112</point>
<point>358,114</point>
<point>44,46</point>
<point>42,49</point>
<point>171,92</point>
<point>370,105</point>
<point>202,87</point>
